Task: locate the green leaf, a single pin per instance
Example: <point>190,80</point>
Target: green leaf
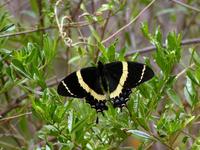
<point>20,67</point>
<point>105,7</point>
<point>195,56</point>
<point>174,97</point>
<point>190,92</point>
<point>188,120</point>
<point>158,36</point>
<point>140,134</point>
<point>111,51</point>
<point>80,124</point>
<point>70,120</point>
<point>95,34</point>
<point>192,76</point>
<point>34,6</point>
<point>122,53</point>
<point>49,47</point>
<point>7,86</point>
<point>9,27</point>
<point>74,59</point>
<point>103,51</point>
<point>145,30</point>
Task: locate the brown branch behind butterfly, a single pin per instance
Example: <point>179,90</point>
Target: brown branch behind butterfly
<point>152,48</point>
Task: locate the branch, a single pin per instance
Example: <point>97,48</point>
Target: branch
<point>25,32</point>
<point>185,5</point>
<point>69,25</point>
<point>184,70</point>
<point>16,116</point>
<point>14,104</point>
<point>152,48</point>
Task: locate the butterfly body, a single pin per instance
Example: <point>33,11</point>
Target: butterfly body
<point>112,81</point>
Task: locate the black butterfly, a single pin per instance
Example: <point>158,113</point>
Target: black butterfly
<point>112,81</point>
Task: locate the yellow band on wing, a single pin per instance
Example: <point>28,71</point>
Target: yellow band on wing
<point>122,80</point>
<point>87,88</point>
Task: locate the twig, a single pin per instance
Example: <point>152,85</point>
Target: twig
<point>16,116</point>
<point>103,33</point>
<point>41,19</point>
<point>68,41</point>
<point>152,48</point>
<point>25,32</point>
<point>184,70</point>
<point>185,5</point>
<point>14,104</point>
<point>69,25</point>
<point>133,20</point>
<point>161,141</point>
<point>76,9</point>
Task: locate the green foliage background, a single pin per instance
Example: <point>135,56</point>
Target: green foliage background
<point>35,54</point>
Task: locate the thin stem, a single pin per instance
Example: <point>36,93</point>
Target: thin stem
<point>184,70</point>
<point>158,139</point>
<point>152,48</point>
<point>185,5</point>
<point>132,21</point>
<point>41,19</point>
<point>16,116</point>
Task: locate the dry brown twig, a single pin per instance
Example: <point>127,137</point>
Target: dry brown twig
<point>186,5</point>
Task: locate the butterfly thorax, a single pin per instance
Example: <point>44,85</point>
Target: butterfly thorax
<point>103,80</point>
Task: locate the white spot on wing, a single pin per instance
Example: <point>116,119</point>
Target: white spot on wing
<point>122,80</point>
<point>87,88</point>
<point>142,74</point>
<point>68,89</point>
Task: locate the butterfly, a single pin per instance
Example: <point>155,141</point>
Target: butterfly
<point>106,82</point>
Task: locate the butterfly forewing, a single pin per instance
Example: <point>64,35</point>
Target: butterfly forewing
<point>81,83</point>
<point>137,74</point>
<point>70,87</point>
